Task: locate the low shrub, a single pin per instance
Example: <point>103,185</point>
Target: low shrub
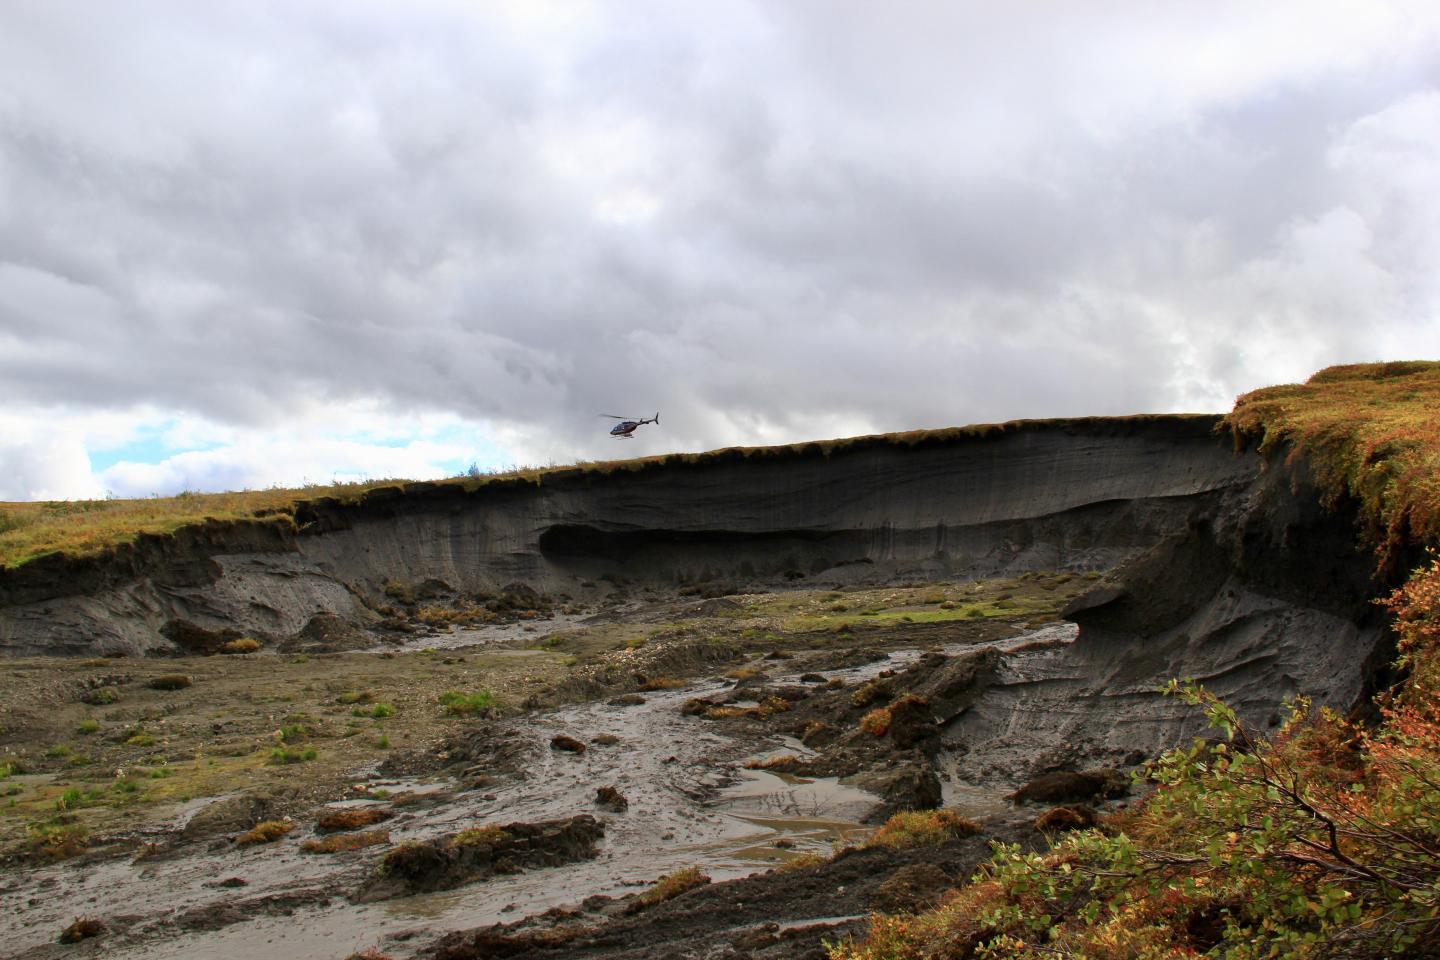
<point>242,645</point>
<point>292,733</point>
<point>918,828</point>
<point>354,696</point>
<point>1058,819</point>
<point>88,725</point>
<point>169,681</point>
<point>870,692</point>
<point>476,836</point>
<point>267,832</point>
<point>340,842</point>
<point>83,928</point>
<point>58,839</point>
<point>351,819</point>
<point>876,722</point>
<point>285,755</point>
<point>673,884</point>
<point>802,861</point>
<point>101,696</point>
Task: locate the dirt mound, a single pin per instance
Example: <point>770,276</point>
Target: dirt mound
<point>194,639</point>
<point>1073,787</point>
<point>327,633</point>
<point>787,913</point>
<point>230,815</point>
<point>470,855</point>
<point>912,888</point>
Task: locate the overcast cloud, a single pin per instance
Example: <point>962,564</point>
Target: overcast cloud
<point>267,242</point>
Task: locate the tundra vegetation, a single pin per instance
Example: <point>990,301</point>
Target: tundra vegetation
<point>1320,841</point>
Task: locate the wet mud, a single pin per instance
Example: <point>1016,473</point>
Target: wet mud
<point>537,785</point>
<point>492,823</point>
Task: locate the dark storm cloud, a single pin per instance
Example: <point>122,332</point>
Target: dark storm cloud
<point>771,221</point>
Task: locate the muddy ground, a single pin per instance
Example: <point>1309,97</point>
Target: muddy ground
<point>735,734</point>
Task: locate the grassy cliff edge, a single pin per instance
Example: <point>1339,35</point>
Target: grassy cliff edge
<point>1322,841</point>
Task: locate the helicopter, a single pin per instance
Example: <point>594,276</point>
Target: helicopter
<point>627,425</point>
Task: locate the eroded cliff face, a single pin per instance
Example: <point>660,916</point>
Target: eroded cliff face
<point>1218,569</point>
<point>1044,495</point>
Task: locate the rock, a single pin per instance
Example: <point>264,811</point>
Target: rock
<point>229,815</point>
<point>626,700</point>
<point>791,694</point>
<point>696,706</point>
<point>611,799</point>
<point>82,929</point>
<point>433,588</point>
<point>955,683</point>
<point>811,678</point>
<point>470,855</point>
<point>516,596</point>
<point>907,785</point>
<point>1066,787</point>
<point>911,722</point>
<point>169,681</point>
<point>817,733</point>
<point>911,889</point>
<point>327,633</point>
<point>194,639</point>
<point>566,743</point>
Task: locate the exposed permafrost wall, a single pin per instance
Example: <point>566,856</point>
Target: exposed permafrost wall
<point>1223,572</point>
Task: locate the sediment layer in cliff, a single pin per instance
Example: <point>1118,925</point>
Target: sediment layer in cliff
<point>1030,495</point>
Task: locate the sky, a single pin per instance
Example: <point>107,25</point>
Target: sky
<point>268,242</point>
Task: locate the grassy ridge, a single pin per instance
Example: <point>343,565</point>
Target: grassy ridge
<point>1323,841</point>
<point>85,527</point>
<point>1369,431</point>
<point>89,527</point>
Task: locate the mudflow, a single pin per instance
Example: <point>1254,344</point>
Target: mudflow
<point>645,713</point>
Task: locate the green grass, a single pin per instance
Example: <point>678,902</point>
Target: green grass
<point>281,756</point>
<point>466,704</point>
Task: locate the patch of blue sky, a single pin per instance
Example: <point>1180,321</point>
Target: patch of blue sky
<point>151,443</point>
<point>483,453</point>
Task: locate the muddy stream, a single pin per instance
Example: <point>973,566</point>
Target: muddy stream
<point>690,802</point>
